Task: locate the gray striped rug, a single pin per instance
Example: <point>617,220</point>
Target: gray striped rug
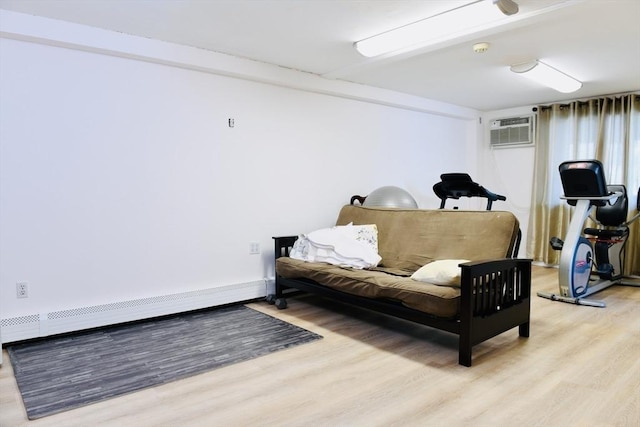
<point>67,372</point>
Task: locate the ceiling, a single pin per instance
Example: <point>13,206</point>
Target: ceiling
<point>595,41</point>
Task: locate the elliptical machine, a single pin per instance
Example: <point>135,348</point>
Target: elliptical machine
<point>583,270</point>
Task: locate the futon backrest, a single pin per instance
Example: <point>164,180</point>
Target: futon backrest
<point>411,238</point>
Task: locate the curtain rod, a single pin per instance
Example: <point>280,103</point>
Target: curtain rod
<point>585,101</point>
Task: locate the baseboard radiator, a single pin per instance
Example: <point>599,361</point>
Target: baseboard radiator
<point>77,319</point>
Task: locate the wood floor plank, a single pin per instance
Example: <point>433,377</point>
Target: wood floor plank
<point>580,367</point>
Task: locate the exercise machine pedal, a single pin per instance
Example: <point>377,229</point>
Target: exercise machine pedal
<point>556,243</point>
<point>605,271</point>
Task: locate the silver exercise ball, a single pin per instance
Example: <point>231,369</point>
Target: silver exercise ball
<point>390,197</point>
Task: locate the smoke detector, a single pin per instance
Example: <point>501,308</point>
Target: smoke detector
<point>480,47</point>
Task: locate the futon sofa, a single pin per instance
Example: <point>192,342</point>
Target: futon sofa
<point>491,295</point>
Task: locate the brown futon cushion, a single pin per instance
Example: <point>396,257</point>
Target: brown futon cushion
<point>440,301</point>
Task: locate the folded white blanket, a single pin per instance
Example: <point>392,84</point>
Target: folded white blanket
<point>341,245</point>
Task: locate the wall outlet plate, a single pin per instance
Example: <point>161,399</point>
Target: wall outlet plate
<point>254,248</point>
<point>22,289</point>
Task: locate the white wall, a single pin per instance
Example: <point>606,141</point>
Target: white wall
<point>120,178</point>
<point>508,171</point>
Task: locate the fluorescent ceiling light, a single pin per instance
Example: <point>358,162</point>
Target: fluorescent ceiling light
<point>466,19</point>
<point>547,75</point>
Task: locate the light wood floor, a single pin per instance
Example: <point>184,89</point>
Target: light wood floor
<point>580,367</point>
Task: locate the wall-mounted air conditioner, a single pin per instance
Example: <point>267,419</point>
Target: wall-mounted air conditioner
<point>512,131</point>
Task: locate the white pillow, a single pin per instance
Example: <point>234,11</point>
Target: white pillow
<point>440,272</point>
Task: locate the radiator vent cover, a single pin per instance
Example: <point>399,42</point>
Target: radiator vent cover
<point>512,131</point>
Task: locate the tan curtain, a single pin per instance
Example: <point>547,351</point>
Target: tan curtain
<point>606,129</point>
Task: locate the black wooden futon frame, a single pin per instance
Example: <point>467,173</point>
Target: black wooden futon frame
<point>495,297</point>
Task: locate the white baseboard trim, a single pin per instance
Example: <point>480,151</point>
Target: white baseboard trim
<point>59,322</point>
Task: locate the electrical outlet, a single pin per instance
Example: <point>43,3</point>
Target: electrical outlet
<point>22,289</point>
<point>254,248</point>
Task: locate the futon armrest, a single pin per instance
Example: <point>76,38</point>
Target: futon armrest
<point>488,287</point>
<point>283,245</point>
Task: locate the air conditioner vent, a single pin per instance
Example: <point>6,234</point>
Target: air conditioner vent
<point>512,131</point>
